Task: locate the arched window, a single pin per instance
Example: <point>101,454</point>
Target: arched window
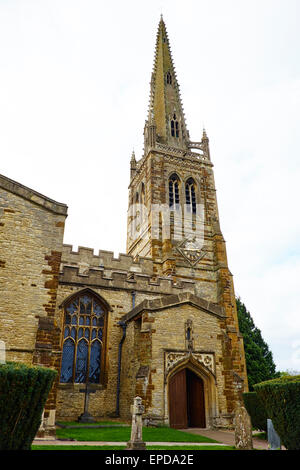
<point>173,190</point>
<point>169,78</point>
<point>174,126</point>
<point>190,195</point>
<point>84,339</point>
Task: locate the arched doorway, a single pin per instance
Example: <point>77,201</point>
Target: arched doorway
<point>186,400</point>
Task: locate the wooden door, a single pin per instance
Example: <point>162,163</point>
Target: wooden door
<point>195,400</point>
<point>177,400</point>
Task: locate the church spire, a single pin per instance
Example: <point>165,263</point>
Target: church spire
<point>165,108</point>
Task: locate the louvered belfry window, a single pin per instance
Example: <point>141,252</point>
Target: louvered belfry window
<point>84,337</point>
<point>190,195</point>
<point>173,190</point>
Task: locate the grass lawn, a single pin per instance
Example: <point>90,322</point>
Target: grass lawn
<point>160,434</point>
<point>187,447</point>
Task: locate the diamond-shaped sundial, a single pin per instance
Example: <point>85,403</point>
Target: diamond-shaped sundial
<point>191,250</point>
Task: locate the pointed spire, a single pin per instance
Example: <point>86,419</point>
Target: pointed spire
<point>165,108</point>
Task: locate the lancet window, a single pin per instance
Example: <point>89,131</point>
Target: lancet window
<point>190,195</point>
<point>174,126</point>
<point>173,190</point>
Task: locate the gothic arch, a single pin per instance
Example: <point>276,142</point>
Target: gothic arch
<point>174,189</point>
<point>209,381</point>
<point>87,291</point>
<point>84,337</point>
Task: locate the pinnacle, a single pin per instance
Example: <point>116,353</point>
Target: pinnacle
<point>133,156</point>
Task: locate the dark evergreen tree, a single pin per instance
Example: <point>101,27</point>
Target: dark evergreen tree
<point>259,359</point>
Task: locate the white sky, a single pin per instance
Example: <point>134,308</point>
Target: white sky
<point>74,90</point>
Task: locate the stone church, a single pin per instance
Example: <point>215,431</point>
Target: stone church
<point>160,321</point>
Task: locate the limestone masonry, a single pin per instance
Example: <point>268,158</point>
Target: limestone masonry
<point>159,322</point>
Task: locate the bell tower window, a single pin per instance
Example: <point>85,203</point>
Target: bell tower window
<point>190,195</point>
<point>173,190</point>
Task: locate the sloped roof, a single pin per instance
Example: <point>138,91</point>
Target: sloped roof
<point>32,196</point>
<point>161,303</point>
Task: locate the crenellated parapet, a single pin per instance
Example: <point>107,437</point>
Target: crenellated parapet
<point>86,258</point>
<point>132,281</point>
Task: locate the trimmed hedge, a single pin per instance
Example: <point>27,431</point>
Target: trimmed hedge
<point>281,399</point>
<point>23,394</point>
<point>256,411</point>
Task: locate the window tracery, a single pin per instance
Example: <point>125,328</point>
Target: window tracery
<point>84,340</point>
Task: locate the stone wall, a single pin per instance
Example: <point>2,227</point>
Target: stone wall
<point>116,289</point>
<point>31,237</point>
<point>160,333</point>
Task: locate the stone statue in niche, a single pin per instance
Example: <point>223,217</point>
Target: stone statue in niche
<point>189,335</point>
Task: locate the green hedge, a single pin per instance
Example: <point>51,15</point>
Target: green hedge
<point>23,394</point>
<point>256,411</point>
<point>281,399</point>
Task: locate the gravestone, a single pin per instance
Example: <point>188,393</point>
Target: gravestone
<point>2,352</point>
<point>86,417</point>
<point>136,439</point>
<point>243,429</point>
<point>273,438</point>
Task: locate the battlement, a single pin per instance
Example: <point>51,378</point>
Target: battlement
<point>100,277</point>
<point>86,258</point>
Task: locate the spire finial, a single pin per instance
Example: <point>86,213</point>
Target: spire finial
<point>204,134</point>
<point>133,156</point>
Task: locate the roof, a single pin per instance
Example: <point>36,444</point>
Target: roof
<point>32,196</point>
<point>161,303</point>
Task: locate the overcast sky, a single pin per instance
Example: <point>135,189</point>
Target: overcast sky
<point>74,92</point>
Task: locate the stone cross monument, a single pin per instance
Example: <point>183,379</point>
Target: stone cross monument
<point>136,439</point>
<point>86,417</point>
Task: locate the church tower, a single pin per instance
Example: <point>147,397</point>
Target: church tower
<point>173,213</point>
<point>171,192</point>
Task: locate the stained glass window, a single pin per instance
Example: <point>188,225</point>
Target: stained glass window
<point>85,320</point>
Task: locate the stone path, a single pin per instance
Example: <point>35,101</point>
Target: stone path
<point>226,437</point>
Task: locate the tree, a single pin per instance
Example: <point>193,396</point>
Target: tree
<point>259,359</point>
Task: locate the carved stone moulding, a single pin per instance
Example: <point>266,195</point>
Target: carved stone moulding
<point>176,357</point>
